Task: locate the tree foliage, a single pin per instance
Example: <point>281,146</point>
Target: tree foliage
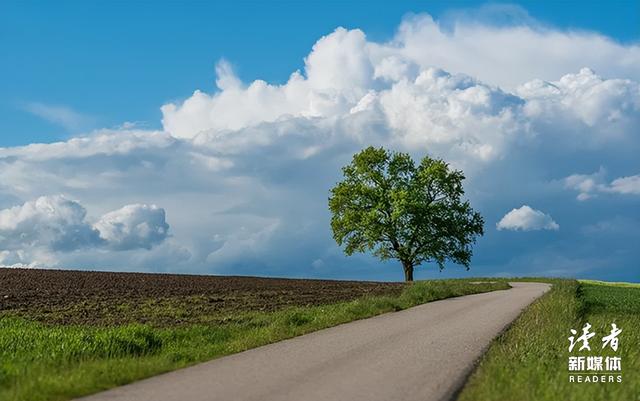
<point>399,210</point>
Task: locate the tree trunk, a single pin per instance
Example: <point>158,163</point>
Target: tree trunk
<point>408,271</point>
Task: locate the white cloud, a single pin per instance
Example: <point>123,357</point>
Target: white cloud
<point>626,185</point>
<point>133,226</point>
<point>420,106</point>
<point>606,109</point>
<point>510,54</point>
<point>52,222</point>
<point>101,143</point>
<point>338,73</point>
<point>64,116</point>
<point>589,185</point>
<point>30,232</point>
<point>526,219</point>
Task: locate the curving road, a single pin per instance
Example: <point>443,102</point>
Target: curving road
<point>423,353</point>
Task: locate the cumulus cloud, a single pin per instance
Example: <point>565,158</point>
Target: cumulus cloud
<point>526,219</point>
<point>511,53</point>
<point>452,115</point>
<point>417,105</point>
<point>606,109</point>
<point>589,185</point>
<point>244,170</point>
<point>58,224</point>
<point>626,185</point>
<point>50,221</point>
<point>338,74</point>
<point>133,226</point>
<point>586,184</point>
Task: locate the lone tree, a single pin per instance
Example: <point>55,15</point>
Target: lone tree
<point>388,205</point>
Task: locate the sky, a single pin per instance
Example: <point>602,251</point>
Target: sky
<point>204,138</point>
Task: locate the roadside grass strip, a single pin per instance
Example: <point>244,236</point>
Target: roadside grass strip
<point>530,360</point>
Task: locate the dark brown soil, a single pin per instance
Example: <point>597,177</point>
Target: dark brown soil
<point>108,298</point>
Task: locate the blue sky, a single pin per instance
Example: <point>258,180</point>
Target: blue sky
<point>203,138</point>
<point>85,56</point>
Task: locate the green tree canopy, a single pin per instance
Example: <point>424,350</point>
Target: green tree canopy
<point>388,205</point>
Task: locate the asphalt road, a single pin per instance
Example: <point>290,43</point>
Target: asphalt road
<point>423,353</point>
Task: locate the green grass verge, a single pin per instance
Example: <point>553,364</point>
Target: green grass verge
<point>610,283</point>
<point>530,360</point>
<point>58,362</point>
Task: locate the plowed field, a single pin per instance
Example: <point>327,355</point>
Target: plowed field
<point>108,298</point>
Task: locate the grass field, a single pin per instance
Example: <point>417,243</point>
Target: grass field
<point>530,360</point>
<point>40,360</point>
